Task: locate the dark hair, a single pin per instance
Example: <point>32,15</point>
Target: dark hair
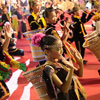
<point>4,6</point>
<point>47,12</point>
<point>31,4</point>
<point>69,11</point>
<point>47,40</point>
<point>75,9</point>
<point>62,22</point>
<point>62,16</point>
<point>58,9</point>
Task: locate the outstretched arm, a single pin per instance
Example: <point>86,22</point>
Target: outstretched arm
<point>85,19</point>
<point>8,34</point>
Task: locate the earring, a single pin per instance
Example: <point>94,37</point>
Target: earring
<point>56,60</point>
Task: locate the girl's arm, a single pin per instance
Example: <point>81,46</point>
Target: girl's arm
<point>8,35</point>
<point>79,60</point>
<point>86,18</point>
<point>65,32</point>
<point>64,87</point>
<point>69,64</point>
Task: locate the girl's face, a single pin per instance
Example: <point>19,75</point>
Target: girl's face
<point>37,7</point>
<point>5,10</point>
<point>52,18</point>
<point>76,13</point>
<point>56,50</point>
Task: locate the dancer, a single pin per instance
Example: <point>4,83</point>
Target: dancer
<point>6,61</point>
<point>79,30</point>
<point>12,44</point>
<point>51,19</point>
<point>35,20</point>
<point>58,74</point>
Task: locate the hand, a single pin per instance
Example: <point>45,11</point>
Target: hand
<point>7,30</point>
<point>76,54</point>
<point>65,28</point>
<point>67,63</point>
<point>93,11</point>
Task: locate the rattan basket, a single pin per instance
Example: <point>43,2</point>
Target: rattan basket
<point>92,42</point>
<point>37,53</point>
<point>35,77</point>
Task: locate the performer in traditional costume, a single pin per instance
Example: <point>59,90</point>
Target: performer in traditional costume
<point>57,78</point>
<point>6,62</point>
<point>12,45</point>
<point>35,20</point>
<point>79,30</point>
<point>51,19</point>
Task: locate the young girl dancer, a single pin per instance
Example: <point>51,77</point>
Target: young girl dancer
<point>58,75</point>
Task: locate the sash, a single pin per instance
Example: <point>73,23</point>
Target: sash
<point>77,85</point>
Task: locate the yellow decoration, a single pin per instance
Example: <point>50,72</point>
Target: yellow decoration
<point>43,21</point>
<point>6,94</point>
<point>35,18</point>
<point>54,32</point>
<point>78,17</point>
<point>96,17</point>
<point>77,85</point>
<point>34,15</point>
<point>4,65</point>
<point>15,64</point>
<point>0,77</point>
<point>82,29</point>
<point>7,54</point>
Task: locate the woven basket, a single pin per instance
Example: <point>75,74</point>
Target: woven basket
<point>63,6</point>
<point>35,77</point>
<point>97,23</point>
<point>37,53</point>
<point>92,42</point>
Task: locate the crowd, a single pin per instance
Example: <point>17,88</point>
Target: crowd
<point>59,61</point>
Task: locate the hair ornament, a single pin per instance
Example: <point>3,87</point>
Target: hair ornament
<point>53,46</point>
<point>36,38</point>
